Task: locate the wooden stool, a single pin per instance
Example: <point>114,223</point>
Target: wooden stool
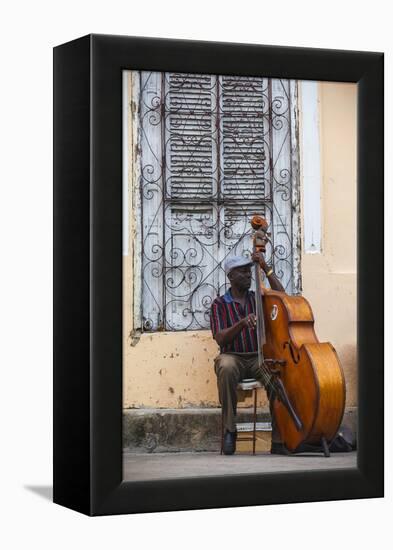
<point>246,385</point>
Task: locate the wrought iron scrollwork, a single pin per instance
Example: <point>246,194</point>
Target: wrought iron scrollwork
<point>213,152</point>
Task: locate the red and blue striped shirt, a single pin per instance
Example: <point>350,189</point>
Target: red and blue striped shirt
<point>225,312</point>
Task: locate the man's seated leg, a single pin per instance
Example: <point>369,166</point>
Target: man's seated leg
<point>228,371</point>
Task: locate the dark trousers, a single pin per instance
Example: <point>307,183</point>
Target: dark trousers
<point>230,369</point>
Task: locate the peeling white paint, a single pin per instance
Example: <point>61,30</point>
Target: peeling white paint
<point>311,167</point>
<point>296,214</point>
<point>136,205</point>
<point>125,104</point>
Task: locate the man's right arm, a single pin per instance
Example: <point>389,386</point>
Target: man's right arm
<point>225,336</point>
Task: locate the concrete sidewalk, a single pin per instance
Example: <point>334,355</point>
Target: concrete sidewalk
<point>144,467</point>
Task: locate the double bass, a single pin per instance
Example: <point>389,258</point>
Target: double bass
<point>305,374</point>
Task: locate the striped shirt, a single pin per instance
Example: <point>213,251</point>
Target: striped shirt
<point>225,312</point>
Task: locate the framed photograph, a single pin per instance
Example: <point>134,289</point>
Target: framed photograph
<point>186,176</point>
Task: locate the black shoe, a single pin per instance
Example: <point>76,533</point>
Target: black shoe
<point>279,449</point>
<point>229,446</point>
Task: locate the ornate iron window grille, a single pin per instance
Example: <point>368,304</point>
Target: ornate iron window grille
<point>213,151</point>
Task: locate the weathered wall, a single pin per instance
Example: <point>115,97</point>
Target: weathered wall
<point>175,370</point>
<point>164,369</point>
<point>171,370</point>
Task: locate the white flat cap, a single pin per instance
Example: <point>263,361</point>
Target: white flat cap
<point>236,261</point>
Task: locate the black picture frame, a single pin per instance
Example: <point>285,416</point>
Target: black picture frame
<point>88,274</point>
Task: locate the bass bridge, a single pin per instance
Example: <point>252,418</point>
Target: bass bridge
<point>272,365</point>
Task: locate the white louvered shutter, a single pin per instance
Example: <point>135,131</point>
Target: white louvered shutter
<point>214,151</point>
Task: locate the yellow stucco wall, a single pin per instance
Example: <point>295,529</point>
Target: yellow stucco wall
<point>175,370</point>
<point>329,278</point>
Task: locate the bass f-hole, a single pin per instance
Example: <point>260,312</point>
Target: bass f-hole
<point>292,352</point>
